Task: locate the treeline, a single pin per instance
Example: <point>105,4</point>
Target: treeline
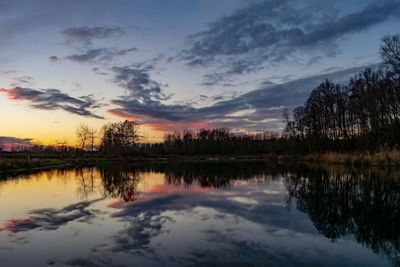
<point>114,138</point>
<point>216,141</point>
<point>362,115</point>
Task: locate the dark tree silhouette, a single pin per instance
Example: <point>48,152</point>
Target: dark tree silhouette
<point>364,114</point>
<point>119,137</point>
<point>390,52</point>
<point>342,203</point>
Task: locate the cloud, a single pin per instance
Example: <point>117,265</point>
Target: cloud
<point>232,220</point>
<point>276,31</point>
<point>99,54</point>
<point>89,262</point>
<point>53,99</point>
<point>140,87</point>
<point>9,71</point>
<point>8,143</point>
<point>157,120</point>
<point>148,220</point>
<point>99,71</point>
<point>54,59</point>
<point>15,140</point>
<point>266,104</point>
<point>144,100</point>
<point>51,219</point>
<point>86,34</point>
<point>27,80</point>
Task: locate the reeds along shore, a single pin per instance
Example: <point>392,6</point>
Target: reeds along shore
<point>25,162</point>
<point>380,158</point>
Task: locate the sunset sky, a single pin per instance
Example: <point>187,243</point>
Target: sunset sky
<point>176,64</point>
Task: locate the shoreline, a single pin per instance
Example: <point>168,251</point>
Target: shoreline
<point>356,159</point>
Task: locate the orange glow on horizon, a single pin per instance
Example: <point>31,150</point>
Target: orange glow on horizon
<point>121,115</point>
<point>162,125</point>
<point>57,128</point>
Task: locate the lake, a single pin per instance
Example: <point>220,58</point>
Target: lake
<point>198,214</point>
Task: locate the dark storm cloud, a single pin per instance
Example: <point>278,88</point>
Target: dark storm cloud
<point>275,31</point>
<point>52,99</point>
<point>100,54</point>
<point>86,34</point>
<point>258,109</point>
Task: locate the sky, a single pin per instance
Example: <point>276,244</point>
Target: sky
<point>176,64</point>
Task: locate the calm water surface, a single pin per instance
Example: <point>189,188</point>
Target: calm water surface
<point>201,215</point>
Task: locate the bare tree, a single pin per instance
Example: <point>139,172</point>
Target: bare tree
<point>92,136</point>
<point>390,52</point>
<point>83,134</point>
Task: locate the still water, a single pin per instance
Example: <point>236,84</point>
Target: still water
<point>201,215</point>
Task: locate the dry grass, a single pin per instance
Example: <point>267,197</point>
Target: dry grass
<point>381,158</point>
<point>8,164</point>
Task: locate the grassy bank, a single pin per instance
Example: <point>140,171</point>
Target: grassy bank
<point>7,165</point>
<point>381,158</point>
<point>26,164</point>
<point>23,162</point>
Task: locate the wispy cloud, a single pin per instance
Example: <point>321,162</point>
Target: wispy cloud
<point>51,219</point>
<point>22,80</point>
<point>276,31</point>
<point>53,99</point>
<point>99,54</point>
<point>9,142</point>
<point>54,58</point>
<point>9,72</point>
<point>142,90</point>
<point>99,71</point>
<point>260,109</point>
<point>86,34</point>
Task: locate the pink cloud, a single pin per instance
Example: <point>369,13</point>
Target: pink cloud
<point>162,125</point>
<point>14,225</point>
<point>14,94</point>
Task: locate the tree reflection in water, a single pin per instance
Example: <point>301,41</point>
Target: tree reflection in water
<point>120,182</point>
<point>363,204</point>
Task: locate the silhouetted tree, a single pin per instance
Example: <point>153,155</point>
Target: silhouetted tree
<point>119,137</point>
<point>365,114</point>
<point>390,52</point>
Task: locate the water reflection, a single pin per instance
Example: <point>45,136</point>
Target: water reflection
<point>208,215</point>
<point>364,204</point>
<point>120,182</point>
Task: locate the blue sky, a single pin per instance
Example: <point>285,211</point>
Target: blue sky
<point>177,64</point>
